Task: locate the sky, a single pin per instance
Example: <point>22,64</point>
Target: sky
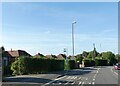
<point>46,27</point>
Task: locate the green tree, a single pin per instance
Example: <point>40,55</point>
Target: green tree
<point>79,58</point>
<point>84,54</point>
<point>110,57</point>
<point>117,56</point>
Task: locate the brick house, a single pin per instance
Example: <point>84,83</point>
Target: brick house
<point>61,56</point>
<point>10,56</point>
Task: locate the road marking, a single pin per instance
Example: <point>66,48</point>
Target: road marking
<point>86,78</point>
<point>93,79</point>
<point>73,83</point>
<point>80,78</point>
<point>53,81</point>
<point>93,83</point>
<point>68,77</point>
<point>114,72</point>
<point>75,77</point>
<point>80,83</point>
<point>89,82</point>
<point>60,83</point>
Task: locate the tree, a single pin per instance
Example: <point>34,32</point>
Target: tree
<point>110,57</point>
<point>85,54</point>
<point>79,58</point>
<point>90,55</point>
<point>117,56</point>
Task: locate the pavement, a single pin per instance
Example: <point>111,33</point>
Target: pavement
<point>98,76</point>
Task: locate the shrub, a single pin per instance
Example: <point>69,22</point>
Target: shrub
<point>71,64</point>
<point>36,65</point>
<point>101,62</point>
<point>89,62</point>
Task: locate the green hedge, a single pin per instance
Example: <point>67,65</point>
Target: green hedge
<point>71,64</point>
<point>89,62</point>
<point>101,62</point>
<point>36,65</point>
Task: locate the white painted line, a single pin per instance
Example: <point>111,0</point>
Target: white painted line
<point>60,83</point>
<point>75,77</point>
<point>80,83</point>
<point>68,77</point>
<point>83,83</point>
<point>86,78</point>
<point>73,83</point>
<point>80,78</point>
<point>93,79</point>
<point>114,72</point>
<point>93,83</point>
<point>53,81</point>
<point>89,82</point>
<point>66,83</point>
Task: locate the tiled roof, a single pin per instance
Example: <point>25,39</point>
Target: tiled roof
<point>14,53</point>
<point>17,53</point>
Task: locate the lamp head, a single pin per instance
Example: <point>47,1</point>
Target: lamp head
<point>74,22</point>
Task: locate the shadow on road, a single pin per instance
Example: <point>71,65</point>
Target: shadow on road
<point>27,79</point>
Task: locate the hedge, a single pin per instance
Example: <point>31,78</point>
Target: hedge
<point>36,65</point>
<point>89,62</point>
<point>101,62</point>
<point>71,64</point>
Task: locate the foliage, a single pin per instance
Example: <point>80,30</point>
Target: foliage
<point>7,70</point>
<point>79,58</point>
<point>71,64</point>
<point>36,65</point>
<point>110,57</point>
<point>88,62</point>
<point>101,62</point>
<point>117,56</point>
<point>85,54</point>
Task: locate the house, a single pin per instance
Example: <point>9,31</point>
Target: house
<point>51,56</point>
<point>39,55</point>
<point>61,56</point>
<point>10,56</point>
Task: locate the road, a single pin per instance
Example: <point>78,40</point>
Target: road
<point>105,75</point>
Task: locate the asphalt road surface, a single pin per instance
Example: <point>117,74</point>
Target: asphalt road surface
<point>105,75</point>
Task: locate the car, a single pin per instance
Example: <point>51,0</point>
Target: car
<point>117,66</point>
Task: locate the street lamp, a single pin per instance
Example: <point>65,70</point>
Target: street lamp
<point>73,38</point>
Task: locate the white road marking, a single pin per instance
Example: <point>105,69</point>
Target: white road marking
<point>60,83</point>
<point>86,78</point>
<point>53,81</point>
<point>73,83</point>
<point>93,79</point>
<point>89,82</point>
<point>93,83</point>
<point>80,83</point>
<point>114,72</point>
<point>68,77</point>
<point>80,78</point>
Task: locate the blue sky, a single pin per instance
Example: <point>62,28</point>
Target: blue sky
<point>46,27</point>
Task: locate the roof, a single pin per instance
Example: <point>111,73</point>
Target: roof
<point>61,56</point>
<point>17,53</point>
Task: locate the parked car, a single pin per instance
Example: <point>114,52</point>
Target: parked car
<point>117,66</point>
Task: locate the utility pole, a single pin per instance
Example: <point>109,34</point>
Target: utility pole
<point>73,37</point>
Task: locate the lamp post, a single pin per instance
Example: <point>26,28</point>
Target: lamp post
<point>73,38</point>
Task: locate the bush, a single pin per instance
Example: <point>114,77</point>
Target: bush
<point>7,70</point>
<point>36,65</point>
<point>71,64</point>
<point>89,62</point>
<point>101,62</point>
